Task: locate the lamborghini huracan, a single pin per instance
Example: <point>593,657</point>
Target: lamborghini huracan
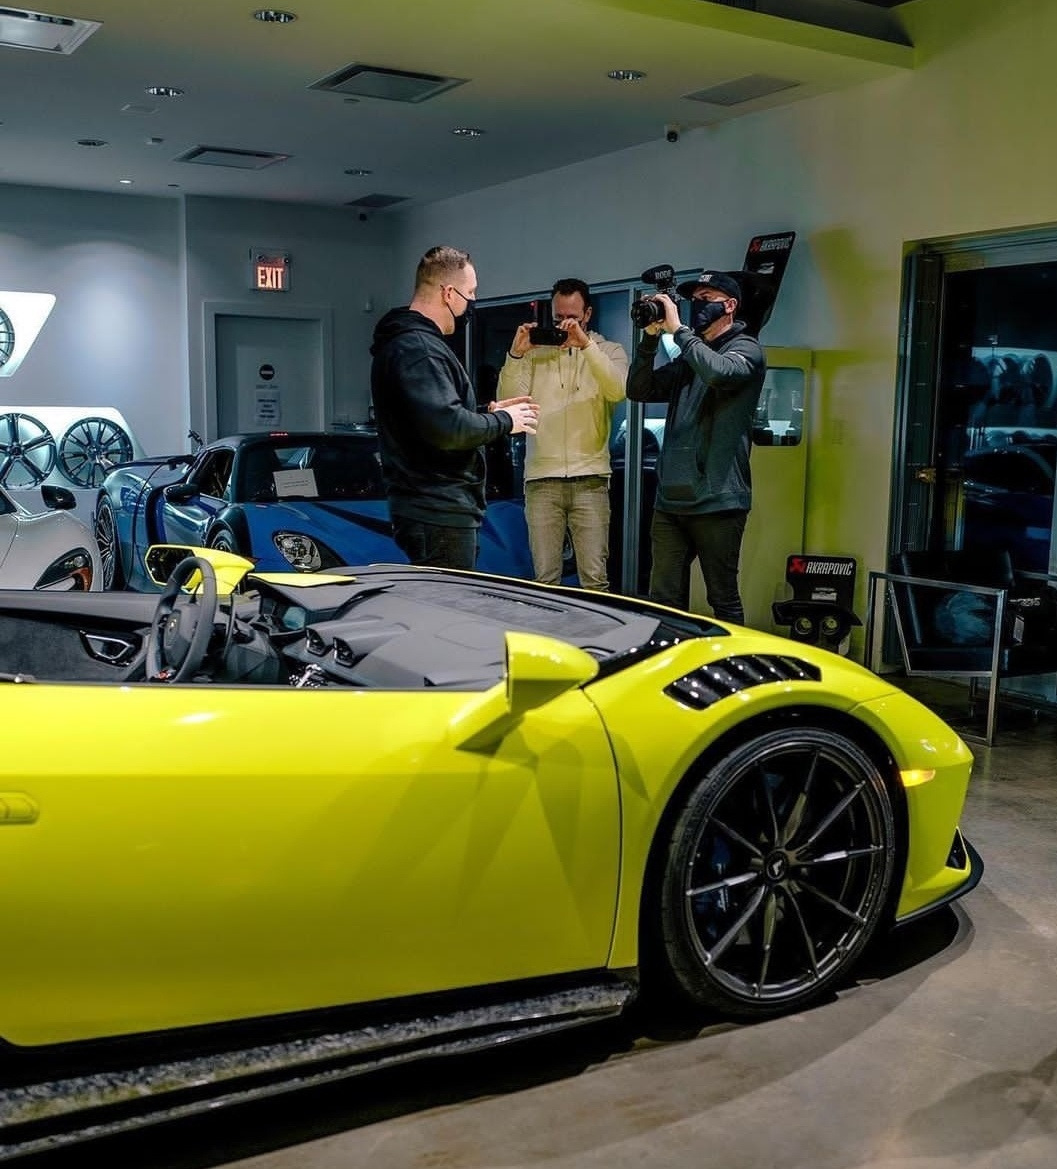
<point>342,820</point>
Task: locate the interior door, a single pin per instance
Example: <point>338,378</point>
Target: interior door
<point>269,374</point>
<point>293,849</point>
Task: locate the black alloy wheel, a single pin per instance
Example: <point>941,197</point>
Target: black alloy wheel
<point>777,873</point>
<point>109,548</point>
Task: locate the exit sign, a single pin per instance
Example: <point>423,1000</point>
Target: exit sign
<point>270,271</point>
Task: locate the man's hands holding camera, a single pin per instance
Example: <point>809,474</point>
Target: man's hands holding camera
<point>671,320</point>
<point>574,336</point>
<point>524,411</point>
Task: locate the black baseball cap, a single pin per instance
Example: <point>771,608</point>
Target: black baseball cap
<point>720,281</point>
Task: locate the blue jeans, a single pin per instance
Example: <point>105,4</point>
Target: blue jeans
<point>715,540</point>
<point>435,545</point>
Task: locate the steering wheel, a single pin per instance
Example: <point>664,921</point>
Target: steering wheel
<point>182,626</point>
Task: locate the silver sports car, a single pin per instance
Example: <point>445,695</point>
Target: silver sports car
<point>46,549</point>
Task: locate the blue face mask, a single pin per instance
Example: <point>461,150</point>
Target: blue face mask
<point>706,312</point>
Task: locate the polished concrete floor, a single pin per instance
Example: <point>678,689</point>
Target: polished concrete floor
<point>942,1055</point>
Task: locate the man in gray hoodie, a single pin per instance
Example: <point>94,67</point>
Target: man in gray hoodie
<point>704,490</point>
<point>430,432</point>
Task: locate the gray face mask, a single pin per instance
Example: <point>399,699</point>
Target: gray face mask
<point>706,312</point>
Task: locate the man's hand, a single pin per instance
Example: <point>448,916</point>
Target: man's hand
<point>521,343</point>
<point>525,415</point>
<point>575,337</point>
<point>504,403</point>
<point>671,320</point>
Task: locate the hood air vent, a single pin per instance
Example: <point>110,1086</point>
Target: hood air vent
<point>376,202</point>
<point>20,29</point>
<point>389,84</point>
<point>240,159</point>
<point>749,88</point>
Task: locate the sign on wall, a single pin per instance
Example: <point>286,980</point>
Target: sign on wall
<point>269,270</point>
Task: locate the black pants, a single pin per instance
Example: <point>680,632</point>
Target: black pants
<point>436,545</point>
<point>715,540</point>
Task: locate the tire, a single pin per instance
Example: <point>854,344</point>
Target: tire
<point>109,545</point>
<point>777,873</point>
<point>223,541</point>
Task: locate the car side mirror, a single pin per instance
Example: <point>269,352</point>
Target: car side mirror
<point>58,498</point>
<point>180,492</point>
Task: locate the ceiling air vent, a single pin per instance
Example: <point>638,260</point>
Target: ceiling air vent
<point>742,89</point>
<point>376,202</point>
<point>390,84</point>
<point>240,159</point>
<point>21,29</point>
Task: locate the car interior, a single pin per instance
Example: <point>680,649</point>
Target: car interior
<point>382,627</point>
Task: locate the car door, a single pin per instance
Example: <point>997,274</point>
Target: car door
<point>188,521</point>
<point>186,855</point>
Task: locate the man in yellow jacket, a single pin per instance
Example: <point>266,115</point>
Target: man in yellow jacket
<point>576,380</point>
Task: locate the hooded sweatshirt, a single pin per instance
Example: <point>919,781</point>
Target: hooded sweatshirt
<point>711,391</point>
<point>429,431</point>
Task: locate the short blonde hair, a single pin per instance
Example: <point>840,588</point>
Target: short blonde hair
<point>438,265</point>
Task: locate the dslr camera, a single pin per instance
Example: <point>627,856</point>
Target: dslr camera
<point>649,312</point>
<point>547,335</point>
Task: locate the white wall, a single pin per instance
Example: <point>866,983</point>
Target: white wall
<point>116,334</point>
<point>337,261</point>
<point>961,144</point>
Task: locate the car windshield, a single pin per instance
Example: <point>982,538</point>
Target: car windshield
<point>327,467</point>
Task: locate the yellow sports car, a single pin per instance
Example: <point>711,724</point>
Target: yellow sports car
<point>327,823</point>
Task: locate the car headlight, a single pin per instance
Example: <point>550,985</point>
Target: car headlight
<point>303,553</point>
<point>72,572</point>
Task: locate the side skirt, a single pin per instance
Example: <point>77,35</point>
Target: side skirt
<point>53,1113</point>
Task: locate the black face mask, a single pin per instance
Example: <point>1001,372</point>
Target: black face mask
<point>470,302</point>
<point>706,312</point>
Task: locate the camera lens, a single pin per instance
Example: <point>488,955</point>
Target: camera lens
<point>646,312</point>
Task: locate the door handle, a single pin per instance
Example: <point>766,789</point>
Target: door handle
<point>17,808</point>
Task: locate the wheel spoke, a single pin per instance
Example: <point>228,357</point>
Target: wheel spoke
<point>809,945</point>
<point>736,837</point>
<point>725,941</point>
<point>832,903</point>
<point>796,816</point>
<point>724,883</point>
<point>768,796</point>
<point>770,921</point>
<point>841,807</point>
<point>843,854</point>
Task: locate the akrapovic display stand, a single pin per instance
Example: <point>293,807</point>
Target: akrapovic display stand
<point>820,610</point>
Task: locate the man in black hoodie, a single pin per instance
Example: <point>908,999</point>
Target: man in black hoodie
<point>704,491</point>
<point>429,429</point>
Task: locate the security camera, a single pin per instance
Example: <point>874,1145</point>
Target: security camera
<point>671,132</point>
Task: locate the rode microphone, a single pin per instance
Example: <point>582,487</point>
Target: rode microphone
<point>661,275</point>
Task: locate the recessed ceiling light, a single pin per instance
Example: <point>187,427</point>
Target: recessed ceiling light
<point>468,132</point>
<point>126,182</point>
<point>274,16</point>
<point>625,75</point>
<point>359,172</point>
<point>164,91</point>
<point>90,142</point>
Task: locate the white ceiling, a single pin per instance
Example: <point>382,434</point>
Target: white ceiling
<point>535,82</point>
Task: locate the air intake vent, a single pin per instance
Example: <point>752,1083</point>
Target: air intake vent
<point>731,675</point>
<point>376,202</point>
<point>389,84</point>
<point>240,159</point>
<point>20,29</point>
<point>749,88</point>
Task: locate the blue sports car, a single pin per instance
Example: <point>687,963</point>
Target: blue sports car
<point>308,502</point>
